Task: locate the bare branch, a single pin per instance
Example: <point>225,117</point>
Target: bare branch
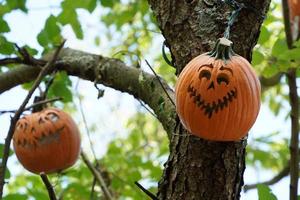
<point>148,193</point>
<point>97,175</point>
<point>271,81</point>
<point>283,173</point>
<point>144,106</point>
<point>162,86</point>
<point>49,187</point>
<point>7,61</point>
<point>47,68</point>
<point>33,105</point>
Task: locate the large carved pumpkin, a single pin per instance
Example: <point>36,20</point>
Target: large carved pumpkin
<point>294,9</point>
<point>47,141</point>
<point>218,94</point>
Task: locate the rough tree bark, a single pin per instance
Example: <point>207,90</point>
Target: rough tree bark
<point>196,169</point>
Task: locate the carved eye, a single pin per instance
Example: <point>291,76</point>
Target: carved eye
<point>53,117</point>
<point>223,78</point>
<point>205,74</point>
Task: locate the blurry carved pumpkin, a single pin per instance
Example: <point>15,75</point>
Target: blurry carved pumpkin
<point>294,9</point>
<point>47,141</point>
<point>218,94</point>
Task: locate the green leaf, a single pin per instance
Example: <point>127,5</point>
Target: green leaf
<point>17,4</point>
<point>265,193</point>
<point>89,5</point>
<point>15,197</point>
<point>279,47</point>
<point>4,28</point>
<point>52,28</point>
<point>107,3</point>
<point>6,47</point>
<point>43,38</point>
<point>37,194</point>
<point>70,17</point>
<point>257,57</point>
<point>27,86</point>
<point>51,32</point>
<point>60,87</point>
<point>270,70</point>
<point>30,50</point>
<point>4,9</point>
<point>291,54</point>
<point>264,35</point>
<point>7,174</point>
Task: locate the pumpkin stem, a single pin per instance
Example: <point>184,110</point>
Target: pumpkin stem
<point>222,50</point>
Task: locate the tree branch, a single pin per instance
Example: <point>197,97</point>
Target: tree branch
<point>283,173</point>
<point>294,145</point>
<point>109,72</point>
<point>294,102</point>
<point>49,187</point>
<point>271,81</point>
<point>97,175</point>
<point>287,23</point>
<point>33,105</point>
<point>47,69</point>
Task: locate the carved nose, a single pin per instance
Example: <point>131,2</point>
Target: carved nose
<point>211,86</point>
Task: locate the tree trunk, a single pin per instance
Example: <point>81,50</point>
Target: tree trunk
<point>199,169</point>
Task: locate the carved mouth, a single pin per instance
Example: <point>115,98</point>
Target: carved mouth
<point>211,107</point>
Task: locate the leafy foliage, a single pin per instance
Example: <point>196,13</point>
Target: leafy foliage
<point>265,193</point>
<point>139,157</point>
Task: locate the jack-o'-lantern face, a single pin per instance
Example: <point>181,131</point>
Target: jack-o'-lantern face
<point>218,94</point>
<point>215,88</point>
<point>47,141</point>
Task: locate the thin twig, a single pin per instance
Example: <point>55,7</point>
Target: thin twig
<point>93,188</point>
<point>142,104</point>
<point>165,57</point>
<point>84,121</point>
<point>97,175</point>
<point>45,70</point>
<point>157,77</point>
<point>7,61</point>
<point>33,105</point>
<point>147,192</point>
<point>25,58</point>
<point>49,187</point>
<point>283,173</point>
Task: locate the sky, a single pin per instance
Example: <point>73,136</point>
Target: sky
<point>121,106</point>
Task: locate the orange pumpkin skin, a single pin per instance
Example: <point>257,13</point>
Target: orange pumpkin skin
<point>47,141</point>
<point>218,95</point>
<point>294,10</point>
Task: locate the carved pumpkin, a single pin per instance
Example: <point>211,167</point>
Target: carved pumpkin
<point>218,94</point>
<point>294,9</point>
<point>47,141</point>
